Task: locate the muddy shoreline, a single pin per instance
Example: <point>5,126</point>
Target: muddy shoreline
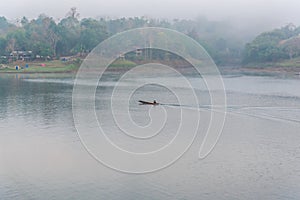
<point>261,71</point>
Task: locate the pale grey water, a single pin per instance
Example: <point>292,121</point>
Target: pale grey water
<point>257,156</point>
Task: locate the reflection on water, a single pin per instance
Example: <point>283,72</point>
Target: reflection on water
<point>257,157</point>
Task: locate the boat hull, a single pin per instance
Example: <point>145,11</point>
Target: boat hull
<point>148,103</point>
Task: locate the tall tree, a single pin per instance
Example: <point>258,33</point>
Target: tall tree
<point>92,33</point>
<point>3,43</point>
<point>17,40</point>
<point>69,33</point>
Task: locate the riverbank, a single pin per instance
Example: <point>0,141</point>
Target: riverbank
<point>288,68</point>
<point>54,66</point>
<point>284,68</point>
<point>292,72</point>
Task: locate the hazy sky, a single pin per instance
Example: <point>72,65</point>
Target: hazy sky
<point>271,12</point>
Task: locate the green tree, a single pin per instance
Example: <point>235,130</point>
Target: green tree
<point>68,31</point>
<point>92,33</point>
<point>3,43</point>
<point>268,47</point>
<point>16,40</point>
<point>41,32</point>
<point>5,26</point>
<point>24,21</point>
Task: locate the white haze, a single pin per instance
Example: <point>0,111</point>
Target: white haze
<point>245,14</point>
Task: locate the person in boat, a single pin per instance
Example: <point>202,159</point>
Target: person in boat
<point>149,102</point>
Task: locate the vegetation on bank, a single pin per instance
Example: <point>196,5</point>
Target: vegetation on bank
<point>279,46</point>
<point>123,63</point>
<point>284,63</point>
<point>44,40</point>
<point>55,66</point>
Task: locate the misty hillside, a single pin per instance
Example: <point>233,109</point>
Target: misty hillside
<point>47,38</point>
<point>272,46</point>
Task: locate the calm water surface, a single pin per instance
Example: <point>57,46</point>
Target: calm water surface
<point>41,156</point>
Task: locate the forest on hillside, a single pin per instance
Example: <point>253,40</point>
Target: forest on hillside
<point>47,38</point>
<point>71,35</point>
<point>272,46</point>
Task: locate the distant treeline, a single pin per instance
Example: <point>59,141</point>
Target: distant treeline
<point>46,38</point>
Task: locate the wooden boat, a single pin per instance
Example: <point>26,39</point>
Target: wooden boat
<point>148,102</point>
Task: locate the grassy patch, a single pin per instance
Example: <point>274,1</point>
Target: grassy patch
<point>56,66</point>
<point>42,67</point>
<point>289,63</point>
<point>283,63</point>
<point>123,63</point>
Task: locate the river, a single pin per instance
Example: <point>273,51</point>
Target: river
<point>42,157</point>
